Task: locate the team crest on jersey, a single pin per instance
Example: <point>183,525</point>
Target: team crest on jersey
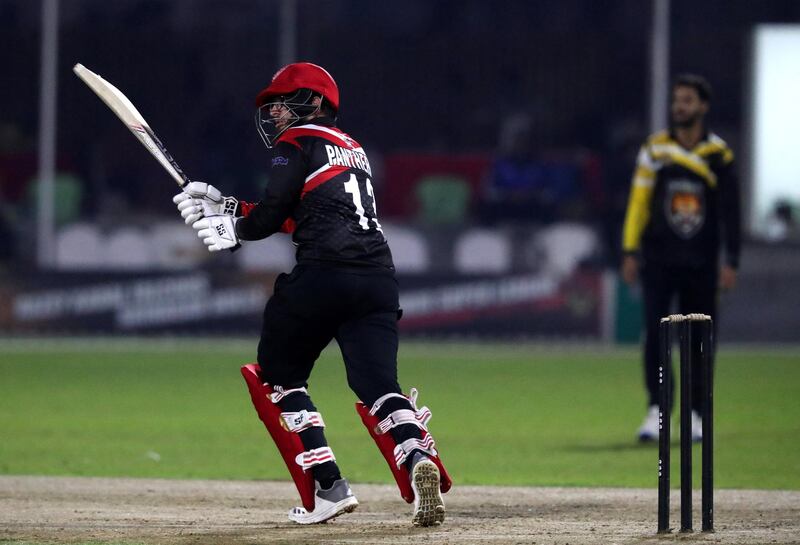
<point>685,208</point>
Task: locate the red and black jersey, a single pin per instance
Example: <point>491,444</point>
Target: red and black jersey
<point>320,186</point>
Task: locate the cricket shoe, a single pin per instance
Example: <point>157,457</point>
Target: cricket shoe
<point>648,431</point>
<point>328,504</point>
<point>428,502</point>
<point>697,427</point>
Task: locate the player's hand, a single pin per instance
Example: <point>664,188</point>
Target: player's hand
<point>217,232</point>
<point>630,269</point>
<point>202,190</point>
<point>192,209</point>
<point>727,278</point>
<point>199,200</point>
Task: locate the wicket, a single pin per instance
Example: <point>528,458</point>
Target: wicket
<point>684,324</point>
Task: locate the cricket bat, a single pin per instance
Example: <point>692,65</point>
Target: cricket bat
<point>130,116</point>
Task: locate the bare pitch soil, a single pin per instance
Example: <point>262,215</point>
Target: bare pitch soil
<point>167,512</point>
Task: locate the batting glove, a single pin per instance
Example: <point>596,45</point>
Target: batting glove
<point>199,200</point>
<point>217,232</point>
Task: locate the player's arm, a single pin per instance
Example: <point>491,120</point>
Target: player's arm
<point>245,208</point>
<point>637,214</point>
<point>730,209</point>
<point>286,180</point>
<point>221,231</point>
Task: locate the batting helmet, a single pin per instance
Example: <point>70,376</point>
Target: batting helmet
<point>300,75</point>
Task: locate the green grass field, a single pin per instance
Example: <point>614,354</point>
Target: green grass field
<point>522,414</point>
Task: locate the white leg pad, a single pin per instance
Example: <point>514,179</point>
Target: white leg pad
<point>399,417</point>
<point>297,422</point>
<point>313,457</point>
<point>279,393</point>
<point>426,445</point>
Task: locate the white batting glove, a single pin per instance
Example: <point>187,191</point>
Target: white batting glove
<point>199,200</point>
<point>217,232</point>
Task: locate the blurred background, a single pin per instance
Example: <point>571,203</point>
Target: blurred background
<point>466,108</point>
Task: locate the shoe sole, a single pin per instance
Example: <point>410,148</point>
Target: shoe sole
<point>429,506</point>
<point>347,505</point>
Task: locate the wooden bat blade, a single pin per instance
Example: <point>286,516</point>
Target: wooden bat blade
<point>130,116</point>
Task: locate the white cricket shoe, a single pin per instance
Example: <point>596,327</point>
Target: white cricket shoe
<point>428,502</point>
<point>697,427</point>
<point>328,504</point>
<point>648,431</point>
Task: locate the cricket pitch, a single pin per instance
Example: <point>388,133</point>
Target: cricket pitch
<point>167,512</point>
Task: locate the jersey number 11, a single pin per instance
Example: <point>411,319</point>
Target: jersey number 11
<point>351,187</point>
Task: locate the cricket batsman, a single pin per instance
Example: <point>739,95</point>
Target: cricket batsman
<point>343,287</point>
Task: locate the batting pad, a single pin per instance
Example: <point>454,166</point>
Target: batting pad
<point>386,444</point>
<point>288,443</point>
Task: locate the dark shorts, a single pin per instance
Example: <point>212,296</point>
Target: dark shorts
<point>312,306</point>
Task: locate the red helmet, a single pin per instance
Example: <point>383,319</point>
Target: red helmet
<point>301,75</point>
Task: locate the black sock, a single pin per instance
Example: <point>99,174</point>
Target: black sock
<point>312,438</point>
<point>326,474</point>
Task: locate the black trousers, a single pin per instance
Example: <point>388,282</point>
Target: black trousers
<point>314,305</point>
<point>696,292</point>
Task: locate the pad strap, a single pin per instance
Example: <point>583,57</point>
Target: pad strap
<point>314,457</point>
<point>426,445</point>
<point>381,400</point>
<point>297,422</point>
<point>279,393</point>
<point>412,397</point>
<point>405,416</point>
